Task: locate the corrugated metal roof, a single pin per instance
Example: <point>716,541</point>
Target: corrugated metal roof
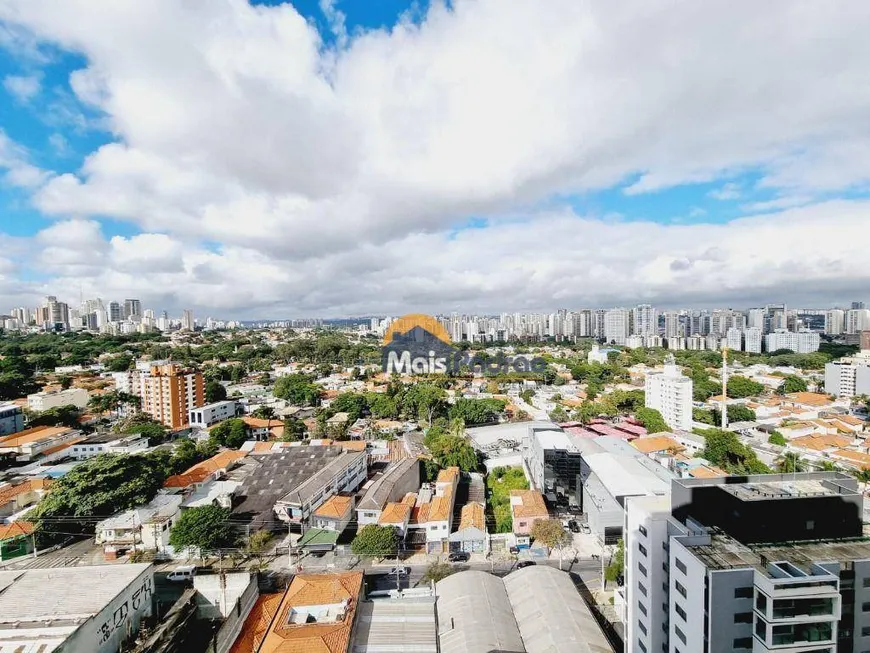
<point>396,626</point>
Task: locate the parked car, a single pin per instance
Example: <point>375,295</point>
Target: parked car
<point>459,556</point>
<point>585,528</point>
<point>525,563</point>
<point>574,526</point>
<point>400,571</point>
<point>182,574</point>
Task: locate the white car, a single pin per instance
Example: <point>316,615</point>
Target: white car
<point>400,571</point>
<point>182,574</point>
<point>585,528</point>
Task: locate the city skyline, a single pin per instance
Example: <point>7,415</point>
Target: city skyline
<point>410,156</point>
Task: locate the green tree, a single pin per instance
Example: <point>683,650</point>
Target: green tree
<point>230,433</point>
<point>120,363</point>
<point>736,413</point>
<point>651,419</point>
<point>616,568</point>
<point>477,411</point>
<point>298,389</point>
<point>438,571</point>
<point>740,387</point>
<point>454,451</point>
<point>527,395</point>
<point>558,414</point>
<point>790,462</point>
<point>294,430</point>
<point>98,487</point>
<point>376,541</point>
<point>704,416</point>
<point>777,438</point>
<point>214,391</point>
<point>724,449</point>
<point>355,405</point>
<point>206,528</point>
<point>791,384</point>
<point>264,412</point>
<point>551,533</point>
<point>61,416</point>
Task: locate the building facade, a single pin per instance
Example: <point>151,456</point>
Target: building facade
<point>11,419</point>
<point>800,342</point>
<point>170,392</point>
<point>670,393</point>
<point>848,376</point>
<point>205,416</point>
<point>616,326</point>
<point>42,401</point>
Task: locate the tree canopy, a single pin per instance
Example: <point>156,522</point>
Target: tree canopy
<point>551,533</point>
<point>374,540</point>
<point>724,449</point>
<point>298,389</point>
<point>791,384</point>
<point>214,391</point>
<point>651,419</point>
<point>740,387</point>
<point>206,528</point>
<point>230,433</point>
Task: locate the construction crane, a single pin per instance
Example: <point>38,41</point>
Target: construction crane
<point>725,388</point>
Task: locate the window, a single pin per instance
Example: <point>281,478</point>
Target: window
<point>865,607</point>
<point>642,549</point>
<point>641,569</point>
<point>680,611</point>
<point>642,608</point>
<point>642,627</point>
<point>680,588</point>
<point>761,603</point>
<point>865,631</point>
<point>742,642</point>
<point>641,646</point>
<point>679,564</point>
<point>642,530</point>
<point>743,618</point>
<point>743,593</point>
<point>641,588</point>
<point>680,634</point>
<point>866,582</point>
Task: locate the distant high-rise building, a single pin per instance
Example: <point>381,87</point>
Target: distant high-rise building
<point>801,342</point>
<point>644,321</point>
<point>753,337</point>
<point>115,314</point>
<point>187,321</point>
<point>734,338</point>
<point>132,309</point>
<point>857,320</point>
<point>616,326</point>
<point>857,306</point>
<point>672,325</point>
<point>584,326</point>
<point>598,323</point>
<point>755,318</point>
<point>670,393</point>
<point>835,322</point>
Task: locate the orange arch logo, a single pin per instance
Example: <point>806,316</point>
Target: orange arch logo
<point>405,323</point>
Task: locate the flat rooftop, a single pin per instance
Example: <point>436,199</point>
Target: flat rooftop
<point>724,552</point>
<point>390,625</point>
<point>790,489</point>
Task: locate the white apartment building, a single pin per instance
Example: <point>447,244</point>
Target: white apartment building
<point>800,342</point>
<point>734,339</point>
<point>670,393</point>
<point>849,376</point>
<point>753,337</point>
<point>187,321</point>
<point>108,443</point>
<point>857,320</point>
<point>835,322</point>
<point>616,326</point>
<point>696,342</point>
<point>677,343</point>
<point>755,318</point>
<point>634,342</point>
<point>772,563</point>
<point>41,401</point>
<point>644,321</point>
<point>212,413</point>
<point>673,328</point>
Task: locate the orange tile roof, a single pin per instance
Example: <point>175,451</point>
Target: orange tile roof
<point>257,423</point>
<point>260,447</point>
<point>862,459</point>
<point>306,590</point>
<point>809,398</point>
<point>447,475</point>
<point>850,419</point>
<point>705,471</point>
<point>257,624</point>
<point>655,443</point>
<point>531,504</point>
<point>472,515</point>
<point>9,493</point>
<point>15,529</point>
<point>353,445</point>
<point>335,507</point>
<point>201,471</point>
<point>395,513</point>
<point>35,434</point>
<point>441,507</point>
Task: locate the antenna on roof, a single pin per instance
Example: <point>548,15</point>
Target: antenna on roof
<point>725,388</point>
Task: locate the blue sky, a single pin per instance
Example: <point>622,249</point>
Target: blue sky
<point>303,155</point>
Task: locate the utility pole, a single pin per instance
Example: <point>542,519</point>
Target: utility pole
<point>725,388</point>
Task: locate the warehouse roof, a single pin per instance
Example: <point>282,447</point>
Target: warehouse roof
<point>396,625</point>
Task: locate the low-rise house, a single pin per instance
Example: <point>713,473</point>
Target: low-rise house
<point>42,401</point>
<point>471,536</point>
<point>334,514</point>
<point>395,482</point>
<point>205,416</point>
<point>204,472</point>
<point>145,528</point>
<point>16,497</point>
<point>16,539</point>
<point>432,517</point>
<point>527,507</point>
<point>39,441</point>
<point>652,445</point>
<point>264,429</point>
<point>113,443</point>
<point>316,614</point>
<point>398,514</point>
